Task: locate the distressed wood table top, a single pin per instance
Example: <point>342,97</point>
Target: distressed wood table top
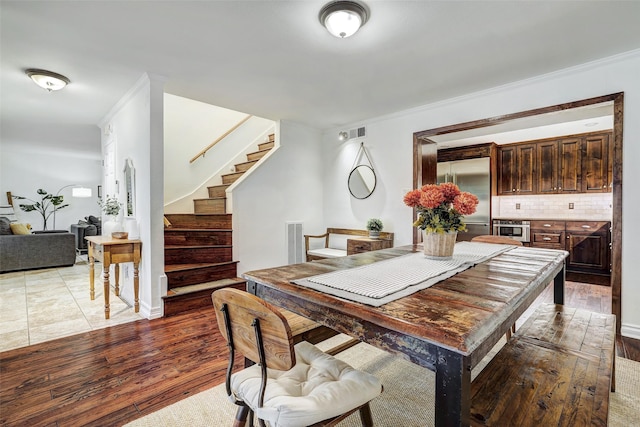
<point>447,328</point>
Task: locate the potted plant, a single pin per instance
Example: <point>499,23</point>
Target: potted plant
<point>374,225</point>
<point>440,214</point>
<point>47,205</point>
<point>111,208</point>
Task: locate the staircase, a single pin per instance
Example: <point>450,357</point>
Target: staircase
<point>198,247</point>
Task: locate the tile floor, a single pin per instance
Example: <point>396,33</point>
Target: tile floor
<point>42,305</point>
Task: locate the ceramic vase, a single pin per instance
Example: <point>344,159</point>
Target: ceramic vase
<point>110,225</point>
<point>439,246</point>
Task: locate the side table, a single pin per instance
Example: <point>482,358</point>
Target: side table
<point>113,251</point>
<point>365,244</point>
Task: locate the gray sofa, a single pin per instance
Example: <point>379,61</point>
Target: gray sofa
<point>26,252</point>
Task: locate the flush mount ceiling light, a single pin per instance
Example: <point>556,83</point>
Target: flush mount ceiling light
<point>47,79</point>
<point>343,136</point>
<point>343,18</point>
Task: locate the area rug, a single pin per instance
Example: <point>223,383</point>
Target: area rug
<point>407,400</point>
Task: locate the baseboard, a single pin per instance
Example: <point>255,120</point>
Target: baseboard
<point>630,331</point>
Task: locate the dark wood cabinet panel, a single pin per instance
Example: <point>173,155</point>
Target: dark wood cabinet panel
<point>596,164</point>
<point>516,165</point>
<point>570,165</point>
<point>507,170</point>
<point>588,246</point>
<point>547,167</point>
<point>525,160</point>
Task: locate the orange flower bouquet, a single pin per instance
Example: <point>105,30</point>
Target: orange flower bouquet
<point>441,207</point>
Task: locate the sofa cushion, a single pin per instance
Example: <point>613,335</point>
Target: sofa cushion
<point>20,229</point>
<point>5,226</point>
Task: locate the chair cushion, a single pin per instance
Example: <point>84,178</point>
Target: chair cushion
<point>328,252</point>
<point>317,388</point>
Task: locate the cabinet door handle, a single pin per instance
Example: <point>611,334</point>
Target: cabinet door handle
<point>547,225</point>
<point>559,188</point>
<point>586,226</point>
<point>513,191</point>
<point>546,238</point>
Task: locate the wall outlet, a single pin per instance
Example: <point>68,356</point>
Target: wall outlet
<point>570,205</point>
<point>517,205</point>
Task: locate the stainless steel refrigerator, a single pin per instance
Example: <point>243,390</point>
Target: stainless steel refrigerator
<point>474,176</point>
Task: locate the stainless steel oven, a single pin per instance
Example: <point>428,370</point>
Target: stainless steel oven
<point>516,229</point>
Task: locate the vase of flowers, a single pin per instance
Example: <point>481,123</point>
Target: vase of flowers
<point>111,208</point>
<point>441,208</point>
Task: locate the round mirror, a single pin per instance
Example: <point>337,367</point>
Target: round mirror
<point>362,181</point>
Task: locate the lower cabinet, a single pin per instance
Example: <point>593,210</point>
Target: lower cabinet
<point>588,246</point>
<point>588,243</point>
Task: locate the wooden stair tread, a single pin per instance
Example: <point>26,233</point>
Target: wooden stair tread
<point>210,198</point>
<point>216,284</point>
<point>259,151</point>
<point>182,267</point>
<point>196,246</point>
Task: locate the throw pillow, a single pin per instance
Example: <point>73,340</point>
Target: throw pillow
<point>5,226</point>
<point>20,228</point>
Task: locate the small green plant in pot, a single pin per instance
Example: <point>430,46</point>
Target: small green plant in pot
<point>374,225</point>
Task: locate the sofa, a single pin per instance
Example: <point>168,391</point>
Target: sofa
<point>39,250</point>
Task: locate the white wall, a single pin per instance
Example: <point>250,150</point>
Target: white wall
<point>287,187</point>
<point>190,126</point>
<point>390,140</point>
<point>51,158</point>
<point>135,123</point>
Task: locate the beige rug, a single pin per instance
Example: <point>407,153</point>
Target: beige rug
<point>407,400</point>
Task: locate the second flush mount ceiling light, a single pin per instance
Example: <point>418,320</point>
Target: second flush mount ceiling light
<point>343,18</point>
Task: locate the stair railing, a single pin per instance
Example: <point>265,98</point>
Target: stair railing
<point>223,136</point>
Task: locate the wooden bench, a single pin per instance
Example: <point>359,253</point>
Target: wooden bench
<point>557,370</point>
<point>345,241</point>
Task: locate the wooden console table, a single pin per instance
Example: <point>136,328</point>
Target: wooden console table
<point>113,251</point>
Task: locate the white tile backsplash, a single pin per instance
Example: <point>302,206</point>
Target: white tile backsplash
<point>586,206</point>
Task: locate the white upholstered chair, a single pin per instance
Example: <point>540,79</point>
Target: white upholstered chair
<point>288,386</point>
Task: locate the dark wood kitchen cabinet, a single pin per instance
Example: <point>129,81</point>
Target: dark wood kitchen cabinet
<point>547,234</point>
<point>564,165</point>
<point>588,243</point>
<point>558,166</point>
<point>516,166</point>
<point>596,175</point>
<point>588,246</point>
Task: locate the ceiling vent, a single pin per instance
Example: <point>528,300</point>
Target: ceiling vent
<point>360,132</point>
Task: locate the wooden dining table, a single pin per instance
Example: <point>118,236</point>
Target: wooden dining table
<point>447,328</point>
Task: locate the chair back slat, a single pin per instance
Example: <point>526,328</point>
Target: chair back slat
<point>496,239</point>
<point>243,308</point>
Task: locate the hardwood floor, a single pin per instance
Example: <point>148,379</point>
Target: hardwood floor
<point>112,376</point>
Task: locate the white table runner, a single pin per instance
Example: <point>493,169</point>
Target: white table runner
<point>384,281</point>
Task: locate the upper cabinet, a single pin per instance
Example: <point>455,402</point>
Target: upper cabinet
<point>572,164</point>
<point>516,169</point>
<point>558,165</point>
<point>597,169</point>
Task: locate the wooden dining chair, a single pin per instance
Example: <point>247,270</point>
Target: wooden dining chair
<point>504,240</point>
<point>288,385</point>
<point>496,239</point>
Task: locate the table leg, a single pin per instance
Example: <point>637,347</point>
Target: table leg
<point>105,278</point>
<point>558,287</point>
<point>92,289</point>
<point>117,273</point>
<point>453,390</point>
<point>136,287</point>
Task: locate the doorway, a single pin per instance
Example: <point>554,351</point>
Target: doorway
<point>424,140</point>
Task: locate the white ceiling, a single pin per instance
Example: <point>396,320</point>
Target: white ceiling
<point>273,59</point>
